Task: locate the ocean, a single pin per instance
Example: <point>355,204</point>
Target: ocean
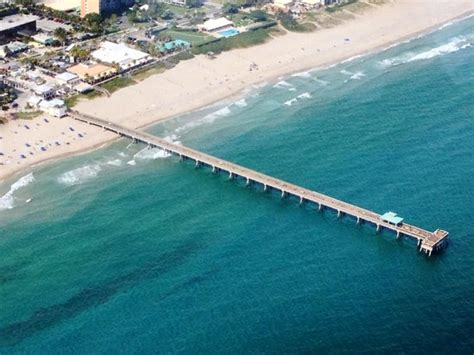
<point>127,250</point>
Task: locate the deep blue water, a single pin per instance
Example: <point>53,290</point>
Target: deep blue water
<point>122,250</point>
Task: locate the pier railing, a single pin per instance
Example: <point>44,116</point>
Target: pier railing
<point>427,242</point>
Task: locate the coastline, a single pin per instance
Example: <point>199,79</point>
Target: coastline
<point>112,108</point>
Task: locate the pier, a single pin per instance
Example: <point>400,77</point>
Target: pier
<point>427,242</point>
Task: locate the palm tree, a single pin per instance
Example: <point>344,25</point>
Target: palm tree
<point>61,34</point>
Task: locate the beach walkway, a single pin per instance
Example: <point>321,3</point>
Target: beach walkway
<point>428,242</point>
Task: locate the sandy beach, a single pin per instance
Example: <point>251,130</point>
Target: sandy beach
<point>202,81</point>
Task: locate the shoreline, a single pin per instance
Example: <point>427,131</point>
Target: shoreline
<point>104,141</point>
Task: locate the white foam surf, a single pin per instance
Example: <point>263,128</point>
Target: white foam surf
<point>322,82</point>
<point>290,102</point>
<point>79,175</point>
<point>358,75</point>
<point>282,84</point>
<point>241,103</point>
<point>115,162</point>
<point>7,201</point>
<point>352,58</point>
<point>209,118</point>
<point>305,95</point>
<point>150,154</point>
<point>353,76</point>
<point>454,45</point>
<point>304,74</point>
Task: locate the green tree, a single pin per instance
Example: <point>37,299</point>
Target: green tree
<point>258,15</point>
<point>229,8</point>
<point>61,34</point>
<point>93,22</point>
<point>194,3</point>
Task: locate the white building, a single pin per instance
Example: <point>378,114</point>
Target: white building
<point>218,24</point>
<point>43,38</point>
<point>125,57</point>
<point>283,5</point>
<point>54,107</point>
<point>44,91</point>
<point>67,78</point>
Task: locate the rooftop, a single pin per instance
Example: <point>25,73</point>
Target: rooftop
<point>63,5</point>
<point>217,23</point>
<point>10,22</point>
<point>391,217</point>
<point>169,46</point>
<point>52,103</point>
<point>92,69</point>
<point>66,76</point>
<point>110,52</point>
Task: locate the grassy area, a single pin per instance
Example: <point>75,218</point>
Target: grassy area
<point>246,39</point>
<point>142,75</point>
<point>195,38</point>
<point>241,20</point>
<point>323,20</point>
<point>117,84</point>
<point>178,10</point>
<point>28,115</point>
<point>73,100</point>
<point>180,56</point>
<point>357,7</point>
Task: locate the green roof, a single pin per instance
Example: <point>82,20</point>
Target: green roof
<point>172,45</point>
<point>391,217</point>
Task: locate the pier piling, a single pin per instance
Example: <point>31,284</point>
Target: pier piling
<point>426,241</point>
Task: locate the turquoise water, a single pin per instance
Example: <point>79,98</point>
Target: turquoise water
<point>229,33</point>
<point>123,250</point>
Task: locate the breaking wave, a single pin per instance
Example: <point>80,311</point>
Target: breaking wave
<point>354,76</point>
<point>241,103</point>
<point>282,84</point>
<point>322,82</point>
<point>7,201</point>
<point>305,95</point>
<point>304,74</point>
<point>290,102</point>
<point>115,162</point>
<point>456,44</point>
<point>352,58</point>
<point>209,118</point>
<point>151,153</point>
<point>79,175</point>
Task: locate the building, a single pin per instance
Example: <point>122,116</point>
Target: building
<point>10,26</point>
<point>174,45</point>
<point>55,107</point>
<point>392,218</point>
<point>282,5</point>
<point>69,79</point>
<point>311,4</point>
<point>44,91</point>
<point>63,5</point>
<point>103,6</point>
<point>121,55</point>
<point>175,2</point>
<point>12,48</point>
<point>43,38</point>
<point>218,24</point>
<point>92,72</point>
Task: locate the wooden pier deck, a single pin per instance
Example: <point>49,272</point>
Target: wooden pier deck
<point>427,242</point>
